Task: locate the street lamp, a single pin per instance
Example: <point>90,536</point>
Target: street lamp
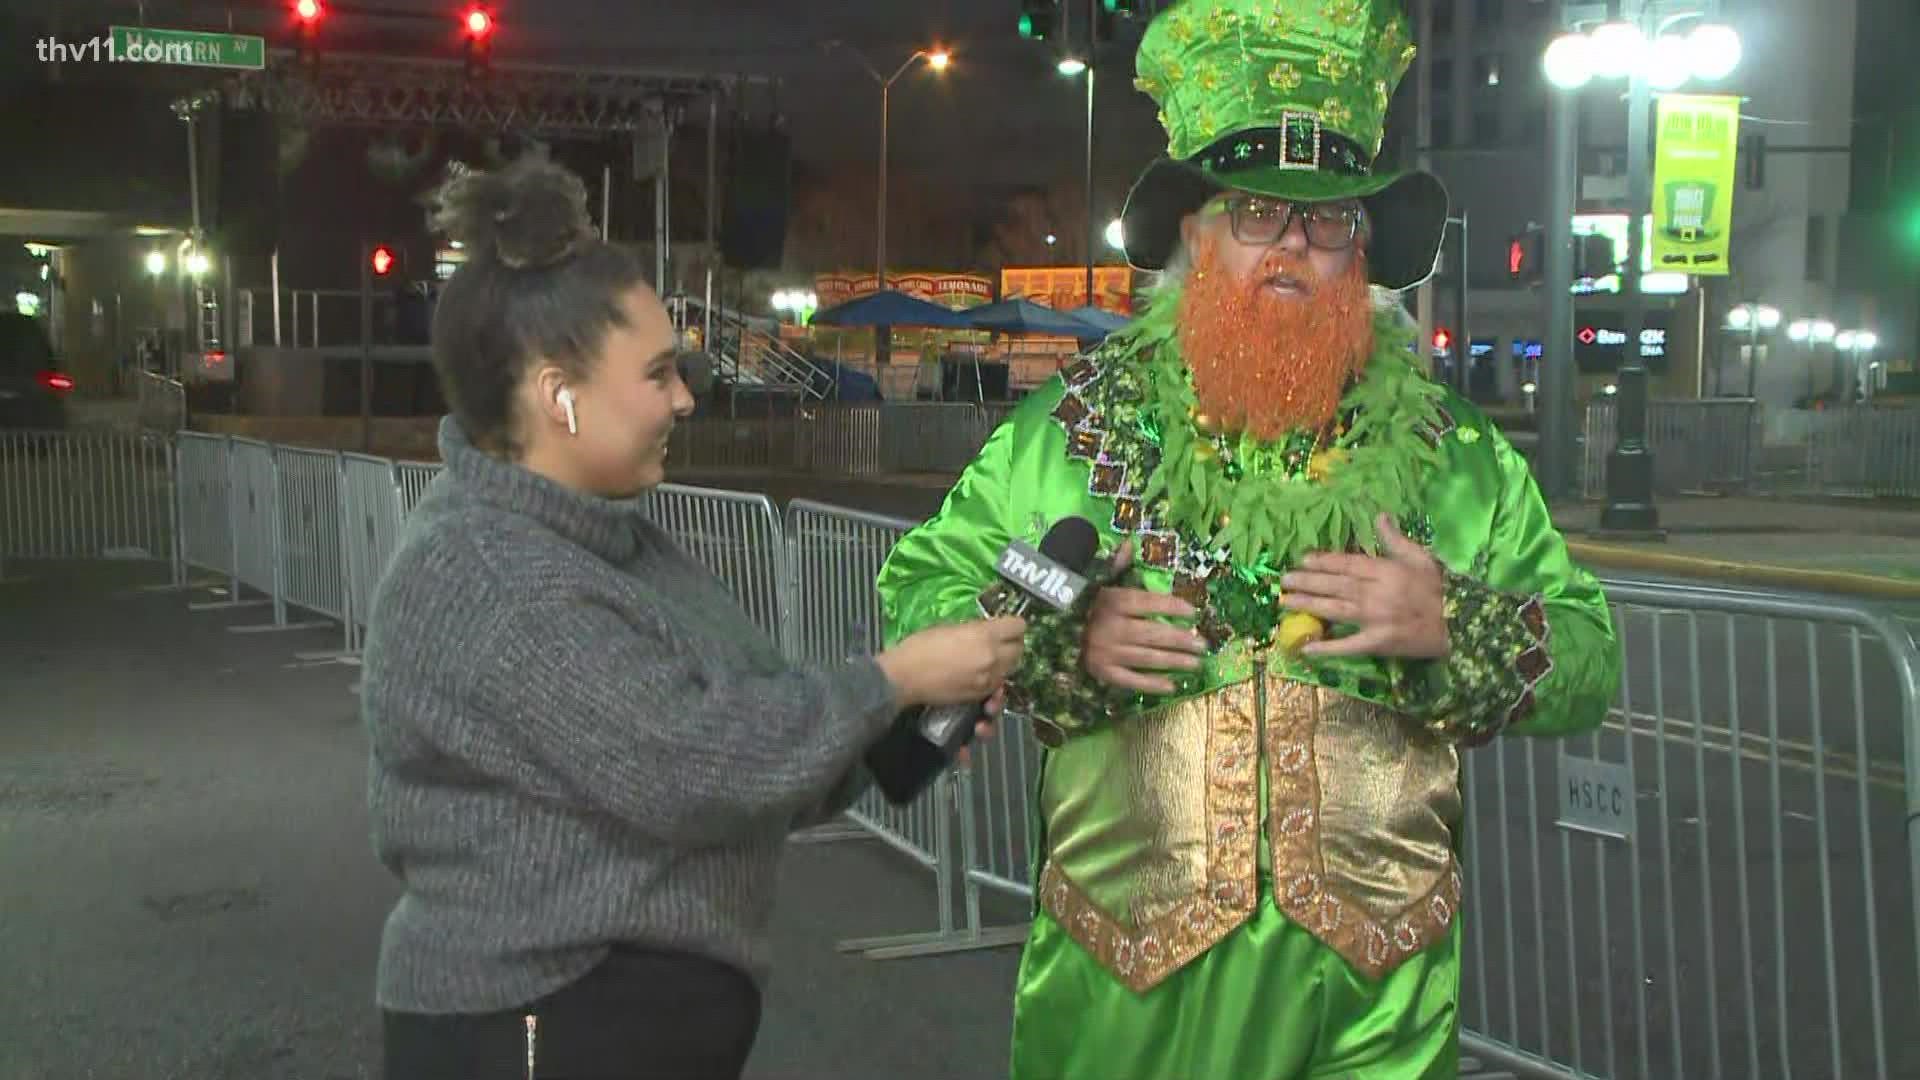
<point>1753,319</point>
<point>156,263</point>
<point>1116,235</point>
<point>938,59</point>
<point>1636,47</point>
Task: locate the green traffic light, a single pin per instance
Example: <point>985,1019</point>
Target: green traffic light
<point>1111,5</point>
<point>1026,26</point>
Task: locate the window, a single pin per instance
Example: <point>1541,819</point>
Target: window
<point>1486,125</point>
<point>1442,76</point>
<point>1488,12</point>
<point>1442,124</point>
<point>1816,247</point>
<point>1442,16</point>
<point>1533,127</point>
<point>1486,71</point>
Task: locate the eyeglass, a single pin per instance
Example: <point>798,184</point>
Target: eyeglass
<point>1264,221</point>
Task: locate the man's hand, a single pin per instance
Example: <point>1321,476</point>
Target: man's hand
<point>1396,600</point>
<point>1124,645</point>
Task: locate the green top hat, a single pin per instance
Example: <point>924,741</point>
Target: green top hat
<point>1284,98</point>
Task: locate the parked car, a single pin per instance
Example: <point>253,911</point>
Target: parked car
<point>33,389</point>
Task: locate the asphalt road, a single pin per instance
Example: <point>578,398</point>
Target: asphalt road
<point>187,890</point>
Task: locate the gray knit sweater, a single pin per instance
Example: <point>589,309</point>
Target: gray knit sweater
<point>578,738</point>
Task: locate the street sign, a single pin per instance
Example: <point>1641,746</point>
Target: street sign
<point>188,48</point>
<point>1596,797</point>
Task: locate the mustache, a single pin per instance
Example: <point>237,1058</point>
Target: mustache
<point>1279,268</point>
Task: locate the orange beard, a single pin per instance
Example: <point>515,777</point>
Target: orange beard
<point>1267,364</point>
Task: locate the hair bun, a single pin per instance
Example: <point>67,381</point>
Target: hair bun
<point>531,214</point>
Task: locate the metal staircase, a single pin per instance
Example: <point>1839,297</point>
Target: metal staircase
<point>749,354</point>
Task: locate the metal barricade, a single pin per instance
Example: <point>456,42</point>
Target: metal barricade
<point>253,508</point>
<point>370,514</point>
<point>312,558</point>
<point>930,436</point>
<point>1697,446</point>
<point>834,555</point>
<point>737,536</point>
<point>1711,885</point>
<point>204,535</point>
<point>86,495</point>
<point>840,440</point>
<point>414,478</point>
<point>1865,451</point>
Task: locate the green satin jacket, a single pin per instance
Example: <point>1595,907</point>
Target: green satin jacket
<point>1153,810</point>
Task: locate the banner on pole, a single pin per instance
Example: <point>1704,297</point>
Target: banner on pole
<point>1693,183</point>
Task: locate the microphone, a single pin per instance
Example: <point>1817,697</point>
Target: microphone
<point>922,740</point>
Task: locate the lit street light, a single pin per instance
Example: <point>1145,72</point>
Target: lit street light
<point>1636,47</point>
<point>938,59</point>
<point>1753,320</point>
<point>156,263</point>
<point>1071,66</point>
<point>1116,235</point>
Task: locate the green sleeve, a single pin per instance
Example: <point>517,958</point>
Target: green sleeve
<point>942,571</point>
<point>1532,649</point>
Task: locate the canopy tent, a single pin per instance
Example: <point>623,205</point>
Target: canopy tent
<point>892,308</point>
<point>1100,319</point>
<point>1022,316</point>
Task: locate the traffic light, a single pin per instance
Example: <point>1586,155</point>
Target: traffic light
<point>1526,256</point>
<point>306,21</point>
<point>382,261</point>
<point>1039,19</point>
<point>477,26</point>
<point>1441,339</point>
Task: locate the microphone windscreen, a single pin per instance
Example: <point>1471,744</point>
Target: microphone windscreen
<point>1071,543</point>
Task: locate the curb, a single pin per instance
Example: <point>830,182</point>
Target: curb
<point>1837,582</point>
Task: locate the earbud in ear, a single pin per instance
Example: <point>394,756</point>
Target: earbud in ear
<point>565,400</point>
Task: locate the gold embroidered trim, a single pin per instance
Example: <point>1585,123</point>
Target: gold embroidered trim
<point>1374,948</point>
<point>1141,958</point>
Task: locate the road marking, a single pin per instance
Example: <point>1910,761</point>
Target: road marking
<point>1795,755</point>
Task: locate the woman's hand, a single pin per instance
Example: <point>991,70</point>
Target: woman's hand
<point>954,665</point>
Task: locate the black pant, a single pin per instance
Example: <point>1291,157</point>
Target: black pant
<point>640,1014</point>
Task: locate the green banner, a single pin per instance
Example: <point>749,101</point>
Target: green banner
<point>191,48</point>
<point>1693,181</point>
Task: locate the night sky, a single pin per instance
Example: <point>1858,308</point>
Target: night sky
<point>999,116</point>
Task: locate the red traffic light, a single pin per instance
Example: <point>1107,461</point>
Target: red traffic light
<point>478,23</point>
<point>1441,339</point>
<point>1516,258</point>
<point>382,260</point>
<point>308,11</point>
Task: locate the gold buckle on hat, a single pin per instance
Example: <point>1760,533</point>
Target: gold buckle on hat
<point>1287,160</point>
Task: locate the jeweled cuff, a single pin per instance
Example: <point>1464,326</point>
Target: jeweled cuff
<point>1497,655</point>
<point>1051,689</point>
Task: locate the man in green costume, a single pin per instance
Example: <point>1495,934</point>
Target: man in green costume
<point>1325,576</point>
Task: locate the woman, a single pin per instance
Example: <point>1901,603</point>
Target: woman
<point>585,756</point>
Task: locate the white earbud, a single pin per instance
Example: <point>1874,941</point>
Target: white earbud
<point>565,398</point>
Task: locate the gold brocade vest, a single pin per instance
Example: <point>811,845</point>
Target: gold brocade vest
<point>1152,828</point>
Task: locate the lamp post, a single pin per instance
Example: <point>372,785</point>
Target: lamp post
<point>1072,66</point>
<point>1620,49</point>
<point>1753,319</point>
<point>1853,343</point>
<point>937,59</point>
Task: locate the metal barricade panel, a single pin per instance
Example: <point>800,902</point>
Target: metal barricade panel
<point>370,526</point>
<point>86,495</point>
<point>735,535</point>
<point>256,519</point>
<point>835,556</point>
<point>205,527</point>
<point>1716,883</point>
<point>313,566</point>
<point>414,478</point>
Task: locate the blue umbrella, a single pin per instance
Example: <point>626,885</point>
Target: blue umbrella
<point>1100,318</point>
<point>891,308</point>
<point>1022,316</point>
